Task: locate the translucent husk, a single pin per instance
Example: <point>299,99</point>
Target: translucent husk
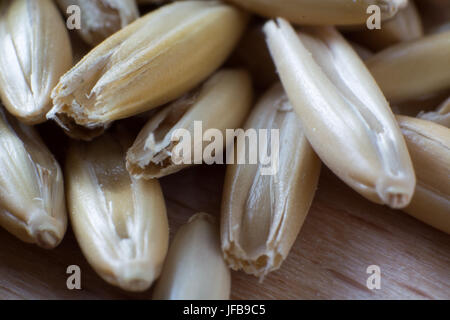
<point>119,222</point>
<point>32,203</point>
<point>262,214</point>
<point>220,103</point>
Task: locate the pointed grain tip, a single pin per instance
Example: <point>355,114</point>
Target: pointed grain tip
<point>47,239</point>
<point>135,284</point>
<point>396,199</point>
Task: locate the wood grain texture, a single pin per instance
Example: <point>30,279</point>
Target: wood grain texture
<point>343,235</point>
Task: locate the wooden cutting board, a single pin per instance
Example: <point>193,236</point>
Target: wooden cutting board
<point>342,236</point>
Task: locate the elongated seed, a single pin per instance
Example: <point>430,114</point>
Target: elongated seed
<point>413,69</point>
<point>101,18</point>
<point>323,12</point>
<point>119,222</point>
<point>34,52</point>
<point>32,203</point>
<point>152,61</point>
<point>262,214</point>
<point>220,103</point>
<point>429,146</point>
<point>345,116</point>
<point>194,268</point>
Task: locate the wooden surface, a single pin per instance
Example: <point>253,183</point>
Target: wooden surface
<point>341,237</point>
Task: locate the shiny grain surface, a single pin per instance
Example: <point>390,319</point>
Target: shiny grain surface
<point>120,223</point>
<point>345,116</point>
